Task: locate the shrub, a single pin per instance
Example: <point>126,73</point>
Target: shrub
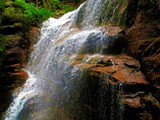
<point>31,14</point>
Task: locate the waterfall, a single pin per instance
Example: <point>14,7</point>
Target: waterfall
<point>54,89</point>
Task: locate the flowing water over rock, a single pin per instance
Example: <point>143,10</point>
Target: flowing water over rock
<point>58,90</point>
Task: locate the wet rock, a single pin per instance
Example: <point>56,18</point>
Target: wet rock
<point>143,105</point>
<point>15,79</point>
<point>122,81</point>
<point>107,63</point>
<point>13,41</point>
<point>21,76</point>
<point>151,66</point>
<point>145,116</point>
<point>143,22</point>
<point>133,102</point>
<point>13,68</point>
<point>11,29</point>
<point>13,56</point>
<point>143,35</point>
<point>32,35</point>
<point>115,69</point>
<point>105,41</point>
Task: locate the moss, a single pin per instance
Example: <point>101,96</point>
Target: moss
<point>13,13</point>
<point>31,14</point>
<point>3,42</point>
<point>13,26</point>
<point>8,3</point>
<point>12,29</point>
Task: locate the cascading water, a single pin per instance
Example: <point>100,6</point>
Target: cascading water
<point>55,89</point>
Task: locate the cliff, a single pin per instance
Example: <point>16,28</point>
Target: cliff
<point>15,40</point>
<point>135,73</point>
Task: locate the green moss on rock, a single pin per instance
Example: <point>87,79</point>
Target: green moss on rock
<point>13,13</point>
<point>3,42</point>
<point>11,29</point>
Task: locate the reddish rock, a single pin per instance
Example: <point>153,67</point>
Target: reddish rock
<point>145,116</point>
<point>129,78</point>
<point>13,68</point>
<point>32,36</point>
<point>133,102</point>
<point>144,105</point>
<point>144,44</point>
<point>21,75</point>
<point>123,69</point>
<point>151,65</point>
<point>17,78</point>
<point>144,37</point>
<point>120,75</point>
<point>14,56</point>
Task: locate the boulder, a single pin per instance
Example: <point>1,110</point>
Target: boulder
<point>119,69</point>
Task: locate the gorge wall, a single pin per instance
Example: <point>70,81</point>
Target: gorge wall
<point>15,41</point>
<point>15,44</point>
<point>143,34</point>
<point>141,23</point>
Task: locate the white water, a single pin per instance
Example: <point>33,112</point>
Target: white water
<point>52,82</point>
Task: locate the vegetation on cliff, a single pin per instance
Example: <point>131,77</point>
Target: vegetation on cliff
<point>18,15</point>
<point>32,14</point>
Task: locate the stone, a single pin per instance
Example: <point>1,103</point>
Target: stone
<point>123,81</point>
<point>143,30</point>
<point>143,36</point>
<point>133,102</point>
<point>32,35</point>
<point>145,116</point>
<point>13,41</point>
<point>11,29</point>
<point>121,70</point>
<point>13,68</point>
<point>151,66</point>
<point>13,56</point>
<point>20,76</point>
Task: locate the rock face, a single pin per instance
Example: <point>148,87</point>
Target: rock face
<point>136,85</point>
<point>120,76</point>
<point>143,33</point>
<point>16,40</point>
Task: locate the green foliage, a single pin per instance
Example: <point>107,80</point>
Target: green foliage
<point>1,4</point>
<point>63,8</point>
<point>31,14</point>
<point>56,2</point>
<point>68,8</point>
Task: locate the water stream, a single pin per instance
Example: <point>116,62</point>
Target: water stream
<point>56,90</point>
